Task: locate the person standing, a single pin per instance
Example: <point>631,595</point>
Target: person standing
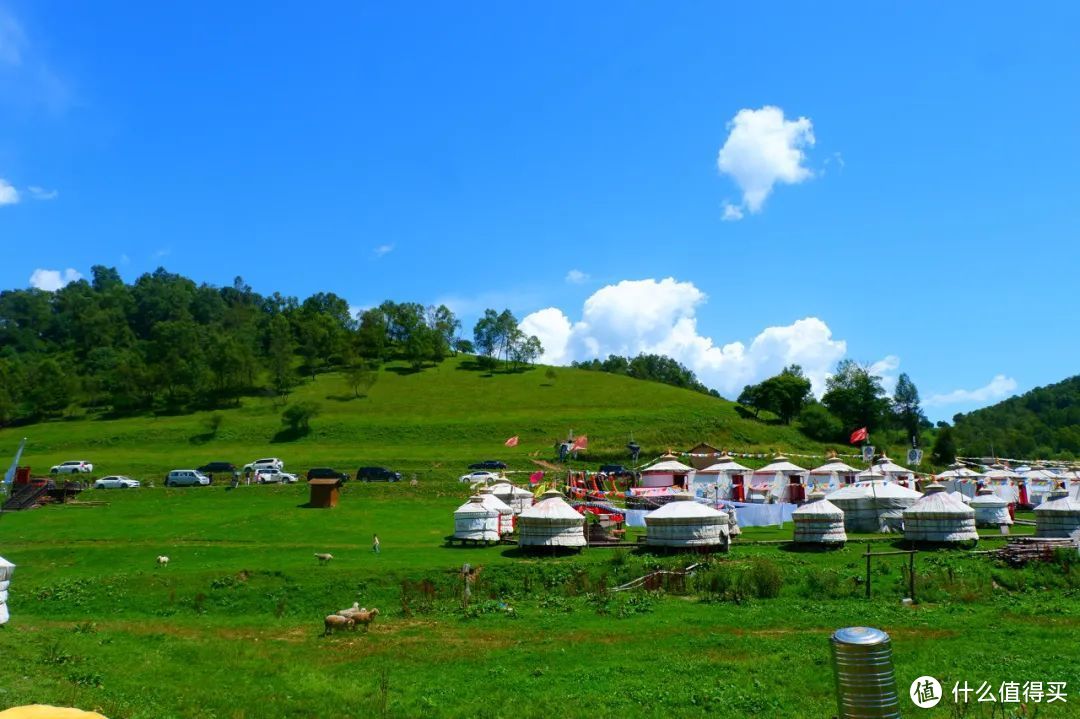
<point>375,543</point>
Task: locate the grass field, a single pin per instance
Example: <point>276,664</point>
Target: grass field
<point>418,422</point>
<point>231,627</point>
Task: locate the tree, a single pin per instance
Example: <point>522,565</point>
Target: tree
<point>752,397</point>
<point>784,395</point>
<point>361,378</point>
<point>943,452</point>
<point>486,334</point>
<point>855,396</point>
<point>818,423</point>
<point>371,337</point>
<point>297,417</point>
<point>905,405</point>
<point>280,356</point>
<point>463,346</point>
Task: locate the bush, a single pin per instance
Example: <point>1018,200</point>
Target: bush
<point>763,580</point>
<point>819,423</point>
<point>297,417</point>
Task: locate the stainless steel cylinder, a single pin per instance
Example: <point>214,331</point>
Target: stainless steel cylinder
<point>865,681</point>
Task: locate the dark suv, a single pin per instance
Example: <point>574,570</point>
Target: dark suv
<point>326,473</point>
<point>377,474</point>
<point>217,467</point>
<point>488,464</point>
<point>616,469</point>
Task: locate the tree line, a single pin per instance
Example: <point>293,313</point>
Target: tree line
<point>652,367</point>
<point>165,342</point>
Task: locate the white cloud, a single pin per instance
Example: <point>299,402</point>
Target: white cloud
<point>732,213</point>
<point>761,150</point>
<point>383,250</point>
<point>650,316</point>
<point>40,193</point>
<point>12,40</point>
<point>52,280</point>
<point>8,194</point>
<point>999,387</point>
<point>884,369</point>
<point>576,277</point>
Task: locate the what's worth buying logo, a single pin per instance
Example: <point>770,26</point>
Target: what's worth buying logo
<point>925,692</point>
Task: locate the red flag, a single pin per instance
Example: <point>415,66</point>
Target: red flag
<point>581,442</point>
<point>859,435</point>
<point>512,442</point>
<point>535,477</point>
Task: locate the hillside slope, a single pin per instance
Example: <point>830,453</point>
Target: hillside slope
<point>437,420</point>
<point>1042,423</point>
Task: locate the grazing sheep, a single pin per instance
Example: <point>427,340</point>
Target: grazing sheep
<point>336,621</point>
<point>163,561</point>
<point>365,617</point>
<point>350,611</point>
<point>323,557</point>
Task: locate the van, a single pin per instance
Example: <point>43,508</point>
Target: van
<point>186,478</point>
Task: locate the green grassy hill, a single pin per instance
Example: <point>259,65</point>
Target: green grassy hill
<point>439,419</point>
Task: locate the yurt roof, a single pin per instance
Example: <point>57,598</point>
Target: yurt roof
<point>886,465</point>
<point>874,488</point>
<point>490,500</point>
<point>476,504</point>
<point>683,505</point>
<point>551,506</point>
<point>1063,504</point>
<point>505,487</point>
<point>670,465</point>
<point>780,464</point>
<point>999,472</point>
<point>724,464</point>
<point>820,508</point>
<point>1040,474</point>
<point>940,502</point>
<point>959,472</point>
<point>961,496</point>
<point>833,465</point>
<point>988,500</point>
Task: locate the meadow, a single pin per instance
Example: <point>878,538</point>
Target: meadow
<point>231,627</point>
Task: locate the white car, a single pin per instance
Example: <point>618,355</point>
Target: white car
<point>268,463</point>
<point>186,478</point>
<point>117,482</point>
<point>78,466</point>
<point>274,476</point>
<point>479,477</point>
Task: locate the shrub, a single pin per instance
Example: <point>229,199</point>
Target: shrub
<point>763,579</point>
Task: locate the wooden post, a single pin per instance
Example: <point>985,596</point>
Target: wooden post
<point>911,577</point>
<point>868,570</point>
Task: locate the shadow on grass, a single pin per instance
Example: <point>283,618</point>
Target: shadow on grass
<point>403,371</point>
<point>807,548</point>
<point>344,397</point>
<point>290,434</point>
<point>202,438</point>
<point>540,552</point>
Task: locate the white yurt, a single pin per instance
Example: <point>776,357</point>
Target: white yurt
<point>506,514</point>
<point>1058,517</point>
<point>683,522</point>
<point>551,522</point>
<point>873,506</point>
<point>476,521</point>
<point>819,522</point>
<point>518,498</point>
<point>939,517</point>
<point>668,472</point>
<point>1041,483</point>
<point>832,475</point>
<point>959,478</point>
<point>990,509</point>
<point>885,468</point>
<point>6,570</point>
<point>716,480</point>
<point>1005,483</point>
<point>772,483</point>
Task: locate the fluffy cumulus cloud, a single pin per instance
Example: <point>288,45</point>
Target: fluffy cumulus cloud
<point>885,369</point>
<point>659,316</point>
<point>577,277</point>
<point>762,149</point>
<point>999,387</point>
<point>52,280</point>
<point>8,194</point>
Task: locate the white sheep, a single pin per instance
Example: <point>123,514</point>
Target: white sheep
<point>323,557</point>
<point>365,617</point>
<point>163,561</point>
<point>350,611</point>
<point>336,621</point>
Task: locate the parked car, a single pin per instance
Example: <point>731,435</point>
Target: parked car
<point>117,481</point>
<point>377,474</point>
<point>268,463</point>
<point>216,467</point>
<point>186,478</point>
<point>274,476</point>
<point>326,473</point>
<point>479,476</point>
<point>78,466</point>
<point>614,469</point>
<point>488,464</point>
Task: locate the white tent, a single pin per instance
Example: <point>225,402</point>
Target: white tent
<point>1003,482</point>
<point>1058,517</point>
<point>885,468</point>
<point>990,509</point>
<point>518,498</point>
<point>959,478</point>
<point>682,522</point>
<point>819,522</point>
<point>506,514</point>
<point>1040,484</point>
<point>476,521</point>
<point>551,522</point>
<point>770,483</point>
<point>873,506</point>
<point>832,475</point>
<point>714,482</point>
<point>665,473</point>
<point>6,570</point>
<point>939,517</point>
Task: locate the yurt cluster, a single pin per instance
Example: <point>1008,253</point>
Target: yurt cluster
<point>701,504</point>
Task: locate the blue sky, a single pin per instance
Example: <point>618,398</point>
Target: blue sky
<point>905,173</point>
